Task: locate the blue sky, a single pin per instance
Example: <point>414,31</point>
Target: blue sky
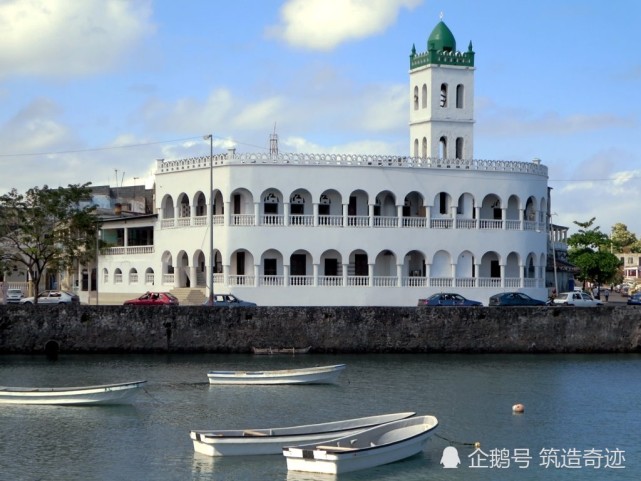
<point>92,89</point>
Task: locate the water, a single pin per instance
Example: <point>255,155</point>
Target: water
<point>571,402</point>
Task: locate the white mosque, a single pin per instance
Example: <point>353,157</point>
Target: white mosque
<point>320,229</point>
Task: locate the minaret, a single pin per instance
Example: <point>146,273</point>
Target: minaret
<point>442,98</point>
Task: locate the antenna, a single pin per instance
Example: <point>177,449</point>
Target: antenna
<point>273,143</point>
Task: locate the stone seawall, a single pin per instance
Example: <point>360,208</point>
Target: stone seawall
<point>84,329</point>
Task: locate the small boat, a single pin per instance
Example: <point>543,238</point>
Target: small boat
<point>372,447</point>
<point>308,375</point>
<point>103,394</point>
<point>239,442</point>
<point>281,350</point>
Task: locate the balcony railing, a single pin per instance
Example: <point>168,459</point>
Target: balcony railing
<point>129,250</point>
<point>307,220</point>
<point>376,281</point>
<point>302,220</point>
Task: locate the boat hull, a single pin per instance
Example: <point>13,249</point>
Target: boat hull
<point>313,375</point>
<point>102,394</point>
<point>369,448</point>
<point>262,441</point>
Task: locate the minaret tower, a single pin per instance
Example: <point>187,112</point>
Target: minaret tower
<point>442,98</point>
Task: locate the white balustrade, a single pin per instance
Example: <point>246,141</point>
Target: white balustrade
<point>420,222</point>
<point>358,221</point>
<point>272,281</point>
<point>301,280</point>
<point>441,223</point>
<point>330,281</point>
<point>387,221</point>
<point>302,220</point>
<point>385,281</point>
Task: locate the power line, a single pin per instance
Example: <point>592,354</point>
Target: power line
<point>98,149</point>
<point>127,146</point>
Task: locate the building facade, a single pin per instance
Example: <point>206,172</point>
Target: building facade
<point>321,229</point>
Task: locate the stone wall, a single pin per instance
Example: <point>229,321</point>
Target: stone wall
<point>84,329</point>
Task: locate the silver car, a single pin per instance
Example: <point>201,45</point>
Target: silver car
<point>53,297</point>
<point>14,295</point>
<point>578,299</point>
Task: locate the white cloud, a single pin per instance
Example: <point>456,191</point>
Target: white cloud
<point>324,24</point>
<point>369,147</point>
<point>69,37</point>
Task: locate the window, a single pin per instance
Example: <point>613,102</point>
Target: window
<point>360,265</point>
<point>298,265</point>
<point>424,96</point>
<point>442,148</point>
<point>495,269</point>
<point>459,147</point>
<point>460,90</point>
<point>331,267</point>
<point>442,200</point>
<point>415,147</point>
<point>415,98</point>
<point>424,154</point>
<point>270,267</point>
<point>444,96</point>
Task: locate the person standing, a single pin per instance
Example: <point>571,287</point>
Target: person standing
<point>3,289</point>
<point>606,294</point>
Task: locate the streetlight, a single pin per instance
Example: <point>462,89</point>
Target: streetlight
<point>553,232</point>
<point>212,261</point>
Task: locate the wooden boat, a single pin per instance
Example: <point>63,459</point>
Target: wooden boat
<point>309,375</point>
<point>103,394</point>
<point>281,350</point>
<point>272,440</point>
<point>372,447</point>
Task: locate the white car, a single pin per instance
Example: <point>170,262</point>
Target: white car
<point>53,297</point>
<point>14,296</point>
<point>577,299</point>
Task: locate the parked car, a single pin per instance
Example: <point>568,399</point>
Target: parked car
<point>578,299</point>
<point>514,299</point>
<point>154,299</point>
<point>228,300</point>
<point>635,299</point>
<point>448,299</point>
<point>14,295</point>
<point>53,297</point>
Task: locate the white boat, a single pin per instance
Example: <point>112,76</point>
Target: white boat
<point>103,394</point>
<point>239,442</point>
<point>372,447</point>
<point>308,375</point>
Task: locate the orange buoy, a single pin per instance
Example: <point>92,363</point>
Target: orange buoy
<point>518,408</point>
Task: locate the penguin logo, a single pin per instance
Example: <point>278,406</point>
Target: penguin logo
<point>450,457</point>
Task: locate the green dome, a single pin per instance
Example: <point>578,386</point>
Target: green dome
<point>441,38</point>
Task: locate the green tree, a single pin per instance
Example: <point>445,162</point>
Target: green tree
<point>589,249</point>
<point>47,229</point>
<point>622,239</point>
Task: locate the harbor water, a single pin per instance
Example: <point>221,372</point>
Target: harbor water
<point>581,420</point>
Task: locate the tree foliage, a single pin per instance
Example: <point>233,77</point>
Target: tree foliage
<point>47,229</point>
<point>623,240</point>
<point>589,249</point>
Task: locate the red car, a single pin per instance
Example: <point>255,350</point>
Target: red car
<point>154,299</point>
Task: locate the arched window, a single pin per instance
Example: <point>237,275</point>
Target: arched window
<point>424,96</point>
<point>442,148</point>
<point>415,147</point>
<point>415,98</point>
<point>444,96</point>
<point>459,147</point>
<point>460,91</point>
<point>424,153</point>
